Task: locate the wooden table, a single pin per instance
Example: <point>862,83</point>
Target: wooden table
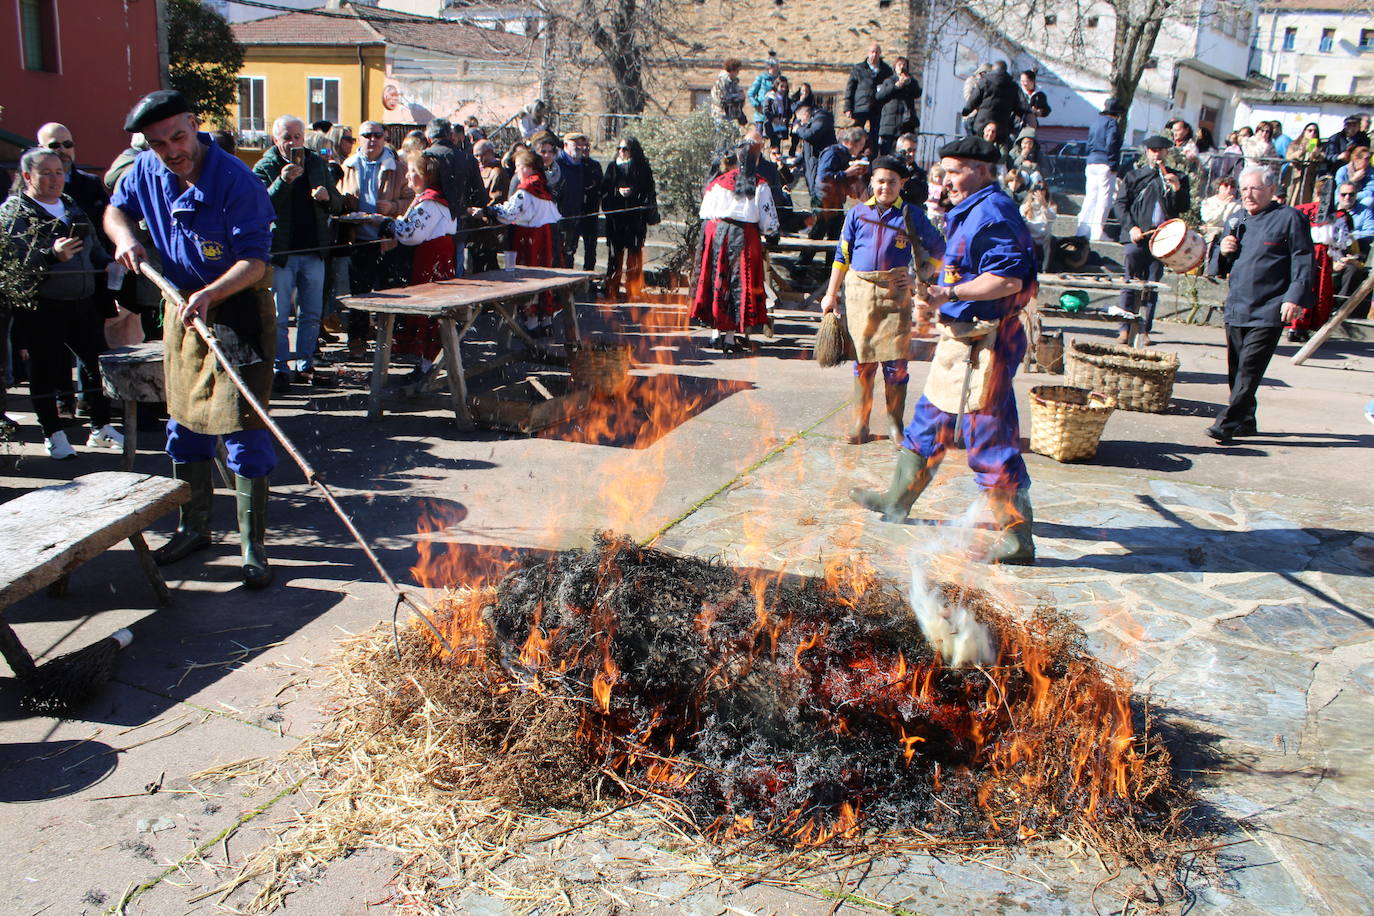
<point>134,376</point>
<point>457,304</point>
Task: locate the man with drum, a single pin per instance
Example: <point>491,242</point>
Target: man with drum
<point>1150,196</point>
<point>988,276</point>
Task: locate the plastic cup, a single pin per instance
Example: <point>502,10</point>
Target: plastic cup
<point>508,260</point>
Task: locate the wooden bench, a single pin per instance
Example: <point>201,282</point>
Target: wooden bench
<point>46,534</point>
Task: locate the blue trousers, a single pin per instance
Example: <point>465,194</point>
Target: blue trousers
<point>894,371</point>
<point>302,277</point>
<point>993,437</point>
<point>251,453</point>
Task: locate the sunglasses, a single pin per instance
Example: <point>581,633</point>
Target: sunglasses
<point>61,144</point>
<point>623,149</point>
<point>372,136</point>
<point>1346,194</point>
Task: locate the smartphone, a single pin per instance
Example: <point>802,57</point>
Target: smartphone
<point>80,230</point>
<point>298,156</point>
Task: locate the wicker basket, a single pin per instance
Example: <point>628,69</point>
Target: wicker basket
<point>601,367</point>
<point>1138,379</point>
<point>1066,422</point>
<point>1049,352</point>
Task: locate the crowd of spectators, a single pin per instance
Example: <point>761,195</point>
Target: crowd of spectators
<point>355,214</point>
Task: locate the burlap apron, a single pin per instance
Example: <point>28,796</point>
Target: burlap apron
<point>878,317</point>
<point>200,395</point>
<point>959,342</point>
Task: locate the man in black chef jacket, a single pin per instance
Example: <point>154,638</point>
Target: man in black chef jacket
<point>1268,256</point>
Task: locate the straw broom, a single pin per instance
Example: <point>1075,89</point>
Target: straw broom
<point>833,343</point>
<point>63,682</point>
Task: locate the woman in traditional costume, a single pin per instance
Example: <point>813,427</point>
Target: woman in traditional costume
<point>737,211</point>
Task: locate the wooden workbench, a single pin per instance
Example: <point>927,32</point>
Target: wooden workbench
<point>457,304</point>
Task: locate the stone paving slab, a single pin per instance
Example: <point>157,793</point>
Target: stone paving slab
<point>1245,611</point>
<point>1236,652</point>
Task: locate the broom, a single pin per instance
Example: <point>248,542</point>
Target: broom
<point>63,682</point>
<point>833,344</point>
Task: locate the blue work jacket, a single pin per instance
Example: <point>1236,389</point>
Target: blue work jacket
<point>986,234</point>
<point>874,239</point>
<point>200,232</point>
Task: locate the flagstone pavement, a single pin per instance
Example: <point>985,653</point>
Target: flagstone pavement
<point>1233,584</point>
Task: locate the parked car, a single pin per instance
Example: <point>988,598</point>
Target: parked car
<point>1063,165</point>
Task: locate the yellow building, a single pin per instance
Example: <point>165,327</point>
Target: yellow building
<point>358,64</point>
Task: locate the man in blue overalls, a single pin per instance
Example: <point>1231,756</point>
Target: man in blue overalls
<point>211,220</point>
<point>988,276</point>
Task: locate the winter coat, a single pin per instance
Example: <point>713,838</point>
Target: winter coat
<point>758,92</point>
<point>861,92</point>
<point>391,184</point>
<point>996,99</point>
<point>900,106</point>
<point>460,181</point>
<point>29,235</point>
<point>816,134</point>
<point>628,229</point>
<point>317,175</point>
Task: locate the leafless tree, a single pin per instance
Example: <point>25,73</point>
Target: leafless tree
<point>619,35</point>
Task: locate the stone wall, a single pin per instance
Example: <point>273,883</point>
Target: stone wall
<point>817,41</point>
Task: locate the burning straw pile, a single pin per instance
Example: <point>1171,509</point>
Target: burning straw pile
<point>748,707</point>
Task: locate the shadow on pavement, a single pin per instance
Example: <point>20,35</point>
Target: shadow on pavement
<point>30,770</point>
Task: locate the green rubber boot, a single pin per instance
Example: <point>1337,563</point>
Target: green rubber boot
<point>863,406</point>
<point>1013,514</point>
<point>911,477</point>
<point>896,413</point>
<point>252,497</point>
<point>193,525</point>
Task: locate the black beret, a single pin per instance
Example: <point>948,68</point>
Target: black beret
<point>155,106</point>
<point>1156,142</point>
<point>892,164</point>
<point>1113,107</point>
<point>975,148</point>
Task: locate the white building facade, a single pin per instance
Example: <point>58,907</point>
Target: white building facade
<point>1319,56</point>
<point>1199,66</point>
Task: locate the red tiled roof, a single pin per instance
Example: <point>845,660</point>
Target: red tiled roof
<point>351,26</point>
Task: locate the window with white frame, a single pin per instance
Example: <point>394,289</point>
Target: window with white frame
<point>252,104</point>
<point>324,100</point>
<point>1290,38</point>
<point>1319,84</point>
<point>1361,85</point>
<point>1327,41</point>
<point>1281,83</point>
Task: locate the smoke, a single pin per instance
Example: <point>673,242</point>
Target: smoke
<point>952,630</point>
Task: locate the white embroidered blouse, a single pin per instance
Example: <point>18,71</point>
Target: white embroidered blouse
<point>524,209</point>
<point>425,220</point>
<point>721,203</point>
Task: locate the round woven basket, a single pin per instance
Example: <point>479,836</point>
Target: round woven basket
<point>1067,422</point>
<point>602,367</point>
<point>1138,379</point>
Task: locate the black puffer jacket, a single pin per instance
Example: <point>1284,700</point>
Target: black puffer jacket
<point>901,106</point>
<point>861,93</point>
<point>997,99</point>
